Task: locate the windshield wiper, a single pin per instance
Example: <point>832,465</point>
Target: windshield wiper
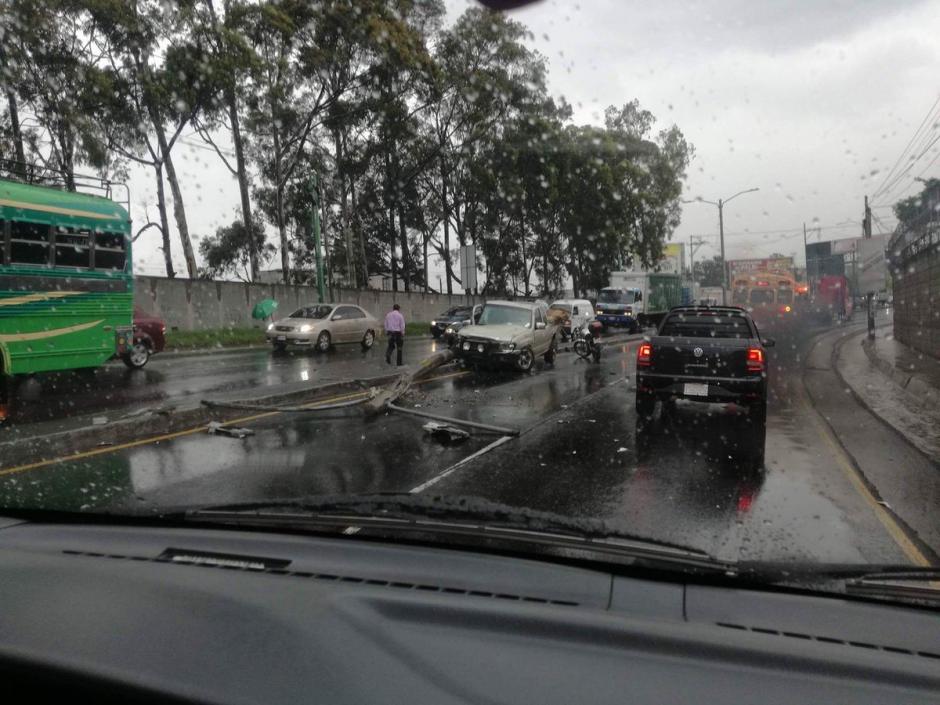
<point>839,571</point>
<point>887,580</point>
<point>454,516</point>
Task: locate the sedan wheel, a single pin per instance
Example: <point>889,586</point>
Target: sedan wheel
<point>323,341</point>
<point>368,340</point>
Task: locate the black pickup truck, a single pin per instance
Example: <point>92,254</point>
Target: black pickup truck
<point>705,354</point>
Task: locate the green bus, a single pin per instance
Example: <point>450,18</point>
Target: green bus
<point>66,281</point>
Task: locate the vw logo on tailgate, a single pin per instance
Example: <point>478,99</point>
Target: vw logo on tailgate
<point>698,352</point>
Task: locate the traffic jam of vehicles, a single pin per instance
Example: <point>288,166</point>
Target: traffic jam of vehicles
<point>679,346</point>
<point>690,348</point>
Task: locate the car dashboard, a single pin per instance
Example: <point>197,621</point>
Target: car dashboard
<point>135,613</point>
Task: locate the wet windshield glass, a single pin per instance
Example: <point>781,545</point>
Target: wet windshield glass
<point>312,312</point>
<point>706,326</point>
<point>762,296</point>
<point>506,315</point>
<point>616,297</point>
<point>215,206</point>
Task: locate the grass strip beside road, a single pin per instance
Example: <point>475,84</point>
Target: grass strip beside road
<point>213,338</point>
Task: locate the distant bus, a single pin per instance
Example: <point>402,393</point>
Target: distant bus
<point>771,297</point>
<point>763,289</point>
<point>66,281</point>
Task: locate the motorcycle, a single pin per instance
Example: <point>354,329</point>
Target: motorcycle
<point>585,341</point>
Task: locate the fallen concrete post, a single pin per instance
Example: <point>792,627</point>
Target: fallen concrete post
<point>378,403</point>
<point>501,430</point>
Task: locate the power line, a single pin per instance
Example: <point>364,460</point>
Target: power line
<point>915,179</point>
<point>897,179</point>
<point>914,137</point>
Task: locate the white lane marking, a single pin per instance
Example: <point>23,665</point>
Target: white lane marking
<point>456,466</point>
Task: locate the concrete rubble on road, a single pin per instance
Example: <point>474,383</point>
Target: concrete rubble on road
<point>445,432</point>
<point>217,429</point>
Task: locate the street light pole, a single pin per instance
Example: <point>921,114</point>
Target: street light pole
<point>724,264</point>
<point>721,234</point>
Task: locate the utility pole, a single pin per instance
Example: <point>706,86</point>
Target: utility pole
<point>869,295</point>
<point>724,264</point>
<point>315,229</point>
<point>695,242</point>
<point>806,257</point>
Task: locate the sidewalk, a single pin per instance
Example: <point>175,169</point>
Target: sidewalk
<point>899,385</point>
<point>913,371</point>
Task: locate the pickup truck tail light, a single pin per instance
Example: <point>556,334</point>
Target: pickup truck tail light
<point>644,355</point>
<point>755,360</point>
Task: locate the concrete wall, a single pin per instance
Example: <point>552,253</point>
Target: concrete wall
<point>187,304</point>
<point>917,301</point>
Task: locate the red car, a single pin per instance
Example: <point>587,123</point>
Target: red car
<point>149,338</point>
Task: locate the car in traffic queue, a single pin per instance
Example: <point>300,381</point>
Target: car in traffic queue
<point>509,333</point>
<point>577,314</point>
<point>458,314</point>
<point>710,355</point>
<point>321,326</point>
<point>615,308</point>
<point>149,339</point>
<point>454,327</point>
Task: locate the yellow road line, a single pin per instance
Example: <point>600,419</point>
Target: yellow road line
<point>895,531</point>
<point>188,432</point>
<point>462,373</point>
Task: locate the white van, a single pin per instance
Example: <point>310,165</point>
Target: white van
<point>579,311</point>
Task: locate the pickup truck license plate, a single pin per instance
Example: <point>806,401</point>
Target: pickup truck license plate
<point>695,390</point>
<point>281,338</point>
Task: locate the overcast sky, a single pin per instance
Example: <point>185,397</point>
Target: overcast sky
<point>810,101</point>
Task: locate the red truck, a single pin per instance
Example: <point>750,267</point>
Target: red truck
<point>833,300</point>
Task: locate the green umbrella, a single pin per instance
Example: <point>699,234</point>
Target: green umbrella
<point>264,308</point>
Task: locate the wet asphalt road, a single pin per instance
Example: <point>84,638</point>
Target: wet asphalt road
<point>577,456</point>
<point>50,402</point>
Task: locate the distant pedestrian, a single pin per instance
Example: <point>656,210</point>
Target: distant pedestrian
<point>395,330</point>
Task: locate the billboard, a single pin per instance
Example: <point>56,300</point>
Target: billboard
<point>821,261</point>
<point>673,259</point>
<point>872,272</point>
<point>844,246</point>
<point>767,264</point>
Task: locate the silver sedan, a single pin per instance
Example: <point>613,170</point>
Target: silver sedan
<point>324,325</point>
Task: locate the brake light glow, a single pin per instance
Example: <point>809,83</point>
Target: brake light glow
<point>755,360</point>
<point>644,355</point>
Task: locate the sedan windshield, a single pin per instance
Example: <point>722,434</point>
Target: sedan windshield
<point>312,312</point>
<point>506,315</point>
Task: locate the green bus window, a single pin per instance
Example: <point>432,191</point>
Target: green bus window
<point>72,248</point>
<point>29,243</point>
<point>4,242</point>
<point>109,251</point>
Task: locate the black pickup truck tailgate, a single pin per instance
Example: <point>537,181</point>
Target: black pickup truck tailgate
<point>700,357</point>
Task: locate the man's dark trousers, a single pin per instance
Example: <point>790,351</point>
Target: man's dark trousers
<point>395,340</point>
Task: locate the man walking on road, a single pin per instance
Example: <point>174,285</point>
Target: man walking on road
<point>395,330</point>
